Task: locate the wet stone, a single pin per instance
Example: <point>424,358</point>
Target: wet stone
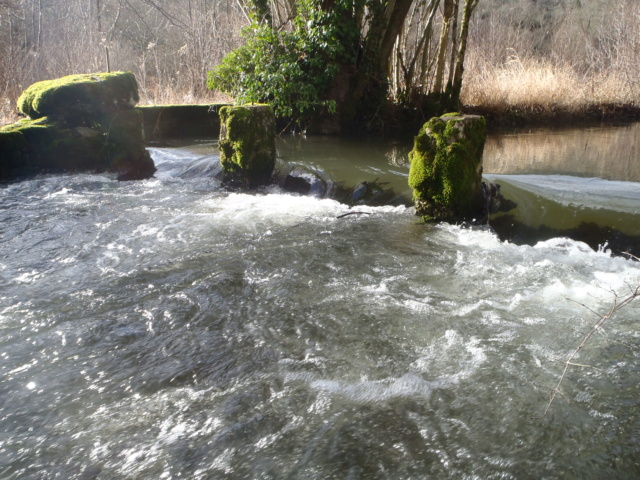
<point>77,123</point>
<point>446,169</point>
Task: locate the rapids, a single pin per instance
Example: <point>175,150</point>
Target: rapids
<point>170,329</point>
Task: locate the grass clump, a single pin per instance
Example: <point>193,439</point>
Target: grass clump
<point>539,89</point>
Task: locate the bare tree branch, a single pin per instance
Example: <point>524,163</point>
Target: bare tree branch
<point>617,305</point>
<point>176,22</point>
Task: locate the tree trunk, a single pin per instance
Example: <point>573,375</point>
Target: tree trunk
<point>442,46</point>
<point>456,86</point>
<point>454,44</point>
<point>99,15</point>
<point>369,87</point>
<point>39,37</point>
<point>424,46</point>
<point>394,16</point>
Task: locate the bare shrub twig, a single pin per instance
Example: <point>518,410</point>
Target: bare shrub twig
<point>618,304</point>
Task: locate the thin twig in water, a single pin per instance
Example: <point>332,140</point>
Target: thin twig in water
<point>353,213</point>
<point>617,305</point>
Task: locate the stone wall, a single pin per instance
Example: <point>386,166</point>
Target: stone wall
<point>163,122</point>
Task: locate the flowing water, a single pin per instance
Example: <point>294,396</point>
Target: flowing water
<point>171,329</point>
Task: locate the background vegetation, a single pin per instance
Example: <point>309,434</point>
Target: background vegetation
<point>168,44</point>
<point>542,58</point>
<point>529,58</point>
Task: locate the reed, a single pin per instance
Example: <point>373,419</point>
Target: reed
<point>580,62</point>
<point>539,87</point>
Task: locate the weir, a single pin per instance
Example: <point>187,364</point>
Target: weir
<point>170,122</point>
<point>89,123</point>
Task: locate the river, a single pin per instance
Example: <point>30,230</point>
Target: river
<point>170,329</point>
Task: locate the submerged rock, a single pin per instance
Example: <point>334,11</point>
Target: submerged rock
<point>78,123</point>
<point>446,169</point>
<point>302,179</point>
<point>247,144</point>
<point>372,193</point>
<point>296,184</point>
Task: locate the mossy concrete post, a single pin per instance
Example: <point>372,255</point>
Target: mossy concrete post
<point>446,168</point>
<point>247,144</point>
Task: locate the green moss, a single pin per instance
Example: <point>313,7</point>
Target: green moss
<point>446,167</point>
<point>114,144</point>
<point>79,123</point>
<point>33,146</point>
<point>247,143</point>
<point>81,95</point>
<point>26,123</point>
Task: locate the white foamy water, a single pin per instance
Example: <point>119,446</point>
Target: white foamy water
<point>571,191</point>
<point>172,329</point>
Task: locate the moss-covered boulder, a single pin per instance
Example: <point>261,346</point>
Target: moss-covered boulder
<point>84,123</point>
<point>247,144</point>
<point>446,168</point>
<point>45,146</point>
<point>83,96</point>
<point>29,145</point>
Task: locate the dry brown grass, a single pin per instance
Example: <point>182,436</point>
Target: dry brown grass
<point>581,61</point>
<point>536,86</point>
<point>157,96</point>
<point>8,113</point>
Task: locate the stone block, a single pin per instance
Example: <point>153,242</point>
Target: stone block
<point>446,168</point>
<point>247,144</point>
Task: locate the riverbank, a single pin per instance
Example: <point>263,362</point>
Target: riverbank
<point>537,92</point>
<point>503,105</point>
<point>516,116</point>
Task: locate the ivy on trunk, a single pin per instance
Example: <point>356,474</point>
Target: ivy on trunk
<point>319,59</point>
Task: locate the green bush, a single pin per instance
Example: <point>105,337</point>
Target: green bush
<point>292,70</point>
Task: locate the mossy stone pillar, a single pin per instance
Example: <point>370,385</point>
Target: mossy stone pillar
<point>446,168</point>
<point>247,144</point>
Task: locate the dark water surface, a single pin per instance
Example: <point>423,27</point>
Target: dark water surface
<point>171,329</point>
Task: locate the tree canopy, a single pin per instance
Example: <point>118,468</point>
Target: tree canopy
<point>311,59</point>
